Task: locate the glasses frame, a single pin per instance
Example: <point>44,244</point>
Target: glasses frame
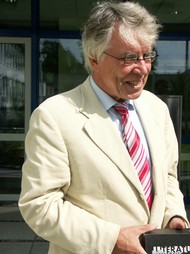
<point>135,57</point>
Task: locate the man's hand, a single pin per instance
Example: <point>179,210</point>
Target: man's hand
<point>128,239</point>
<point>176,223</point>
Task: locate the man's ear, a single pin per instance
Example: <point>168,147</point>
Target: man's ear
<point>94,63</point>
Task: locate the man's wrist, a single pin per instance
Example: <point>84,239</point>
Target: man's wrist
<point>177,222</point>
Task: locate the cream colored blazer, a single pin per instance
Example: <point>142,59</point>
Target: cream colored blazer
<point>79,185</point>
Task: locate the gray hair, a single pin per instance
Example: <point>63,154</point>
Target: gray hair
<point>134,22</point>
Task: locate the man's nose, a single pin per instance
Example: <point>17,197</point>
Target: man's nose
<point>143,66</point>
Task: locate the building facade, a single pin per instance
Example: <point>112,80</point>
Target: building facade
<point>40,55</point>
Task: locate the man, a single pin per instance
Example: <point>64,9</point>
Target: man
<point>82,187</point>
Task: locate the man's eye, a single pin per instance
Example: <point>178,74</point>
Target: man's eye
<point>131,57</point>
<point>148,55</point>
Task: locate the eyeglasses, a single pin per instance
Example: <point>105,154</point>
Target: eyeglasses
<point>132,58</point>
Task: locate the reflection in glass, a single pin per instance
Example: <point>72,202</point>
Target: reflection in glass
<point>171,76</point>
<point>171,57</point>
<point>61,66</point>
<point>12,81</point>
<point>11,160</point>
<point>11,154</point>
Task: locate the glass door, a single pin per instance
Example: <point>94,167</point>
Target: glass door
<point>15,108</point>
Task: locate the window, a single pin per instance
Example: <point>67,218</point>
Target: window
<point>61,66</point>
<point>15,93</point>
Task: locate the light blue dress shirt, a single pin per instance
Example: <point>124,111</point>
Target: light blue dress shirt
<point>108,102</point>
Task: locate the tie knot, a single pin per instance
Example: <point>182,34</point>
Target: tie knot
<point>121,108</point>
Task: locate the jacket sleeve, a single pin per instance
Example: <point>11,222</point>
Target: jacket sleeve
<point>45,181</point>
<point>174,197</point>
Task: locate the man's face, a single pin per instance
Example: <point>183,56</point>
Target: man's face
<point>121,81</point>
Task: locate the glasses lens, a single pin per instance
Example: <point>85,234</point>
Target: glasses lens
<point>150,56</point>
<point>130,58</point>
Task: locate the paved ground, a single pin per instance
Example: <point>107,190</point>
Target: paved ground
<point>16,237</point>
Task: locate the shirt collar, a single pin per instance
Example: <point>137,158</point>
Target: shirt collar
<point>106,100</point>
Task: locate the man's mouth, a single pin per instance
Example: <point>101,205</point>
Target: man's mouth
<point>133,83</point>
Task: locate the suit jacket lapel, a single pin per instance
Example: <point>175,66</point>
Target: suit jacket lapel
<point>150,124</point>
<point>101,130</point>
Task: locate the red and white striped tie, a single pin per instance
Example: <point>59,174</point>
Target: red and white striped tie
<point>136,150</point>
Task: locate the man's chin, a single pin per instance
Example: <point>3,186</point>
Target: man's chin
<point>133,96</point>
